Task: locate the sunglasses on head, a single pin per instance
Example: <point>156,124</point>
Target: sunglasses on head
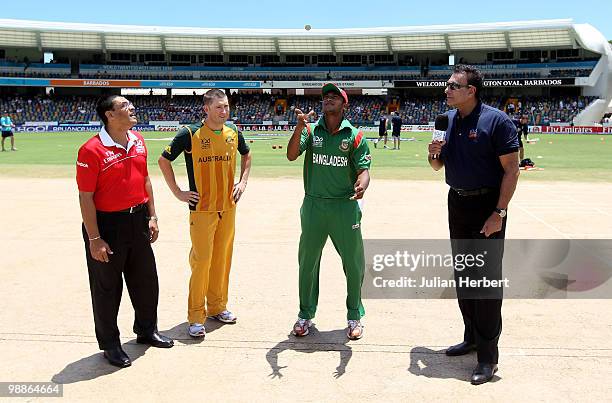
<point>455,86</point>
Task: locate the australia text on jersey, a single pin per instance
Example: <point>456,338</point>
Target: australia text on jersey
<point>215,158</point>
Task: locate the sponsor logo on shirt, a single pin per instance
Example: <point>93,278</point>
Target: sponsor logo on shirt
<point>368,157</point>
<point>168,149</point>
<point>356,226</point>
<point>82,164</point>
<point>229,139</point>
<point>317,141</point>
<point>140,149</point>
<point>205,144</point>
<point>344,146</point>
<point>330,160</point>
<point>473,135</point>
<point>111,157</point>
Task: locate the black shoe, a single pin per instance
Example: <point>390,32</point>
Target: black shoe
<point>117,357</point>
<point>483,373</point>
<point>460,349</point>
<point>156,340</point>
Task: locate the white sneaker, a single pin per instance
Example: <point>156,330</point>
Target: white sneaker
<point>355,330</point>
<point>225,317</point>
<point>301,326</point>
<point>197,330</point>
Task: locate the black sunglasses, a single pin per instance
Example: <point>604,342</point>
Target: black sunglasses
<point>455,86</point>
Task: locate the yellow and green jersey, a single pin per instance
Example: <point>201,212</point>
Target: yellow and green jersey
<point>210,156</point>
<point>332,160</point>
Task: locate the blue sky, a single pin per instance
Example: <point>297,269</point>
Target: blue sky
<point>319,14</point>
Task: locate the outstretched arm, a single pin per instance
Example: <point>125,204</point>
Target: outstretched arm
<point>293,148</point>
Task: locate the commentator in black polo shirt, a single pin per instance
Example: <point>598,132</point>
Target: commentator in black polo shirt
<point>480,159</point>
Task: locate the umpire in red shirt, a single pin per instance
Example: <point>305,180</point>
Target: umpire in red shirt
<point>119,225</point>
<point>480,160</point>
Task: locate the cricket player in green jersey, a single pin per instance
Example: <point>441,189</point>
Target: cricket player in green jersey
<point>336,164</point>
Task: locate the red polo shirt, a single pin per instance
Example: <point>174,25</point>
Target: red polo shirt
<point>114,174</point>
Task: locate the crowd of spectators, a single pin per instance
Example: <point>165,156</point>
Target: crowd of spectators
<point>258,108</point>
<point>563,73</point>
<point>543,111</point>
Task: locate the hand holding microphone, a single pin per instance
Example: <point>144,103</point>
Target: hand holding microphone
<point>439,136</point>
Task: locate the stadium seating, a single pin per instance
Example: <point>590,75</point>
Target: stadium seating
<point>228,73</point>
<point>257,108</point>
<point>35,70</point>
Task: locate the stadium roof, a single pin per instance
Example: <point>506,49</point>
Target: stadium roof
<point>49,36</point>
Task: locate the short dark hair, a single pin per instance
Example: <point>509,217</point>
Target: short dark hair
<point>474,77</point>
<point>105,104</point>
<point>213,94</point>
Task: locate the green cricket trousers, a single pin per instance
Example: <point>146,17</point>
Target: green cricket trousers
<point>340,219</point>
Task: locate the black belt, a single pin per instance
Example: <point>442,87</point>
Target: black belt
<point>131,210</point>
<point>472,192</point>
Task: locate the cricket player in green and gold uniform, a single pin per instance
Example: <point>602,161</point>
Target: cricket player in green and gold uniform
<point>210,148</point>
<point>336,164</point>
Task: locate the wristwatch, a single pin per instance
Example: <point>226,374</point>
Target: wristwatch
<point>501,211</point>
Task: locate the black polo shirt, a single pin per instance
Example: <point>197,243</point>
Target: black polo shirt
<point>396,121</point>
<point>474,145</point>
<point>382,126</point>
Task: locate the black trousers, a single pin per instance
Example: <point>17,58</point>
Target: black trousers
<point>481,311</point>
<point>128,237</point>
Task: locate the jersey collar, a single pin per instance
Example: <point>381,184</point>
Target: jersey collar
<point>343,125</point>
<point>474,114</point>
<point>107,140</point>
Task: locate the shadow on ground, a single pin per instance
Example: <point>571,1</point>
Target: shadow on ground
<point>316,341</point>
<point>435,364</point>
<point>95,365</point>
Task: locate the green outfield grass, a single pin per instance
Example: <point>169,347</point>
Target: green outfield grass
<point>563,157</point>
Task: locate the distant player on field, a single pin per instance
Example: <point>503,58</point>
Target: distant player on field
<point>382,130</point>
<point>396,122</point>
<point>7,130</point>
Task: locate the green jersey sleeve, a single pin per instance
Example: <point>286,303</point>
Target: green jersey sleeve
<point>178,145</point>
<point>305,139</point>
<point>243,147</point>
<point>361,157</point>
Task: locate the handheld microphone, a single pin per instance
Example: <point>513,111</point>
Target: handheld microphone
<point>439,133</point>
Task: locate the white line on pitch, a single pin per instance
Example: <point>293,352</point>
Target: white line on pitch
<point>543,222</point>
